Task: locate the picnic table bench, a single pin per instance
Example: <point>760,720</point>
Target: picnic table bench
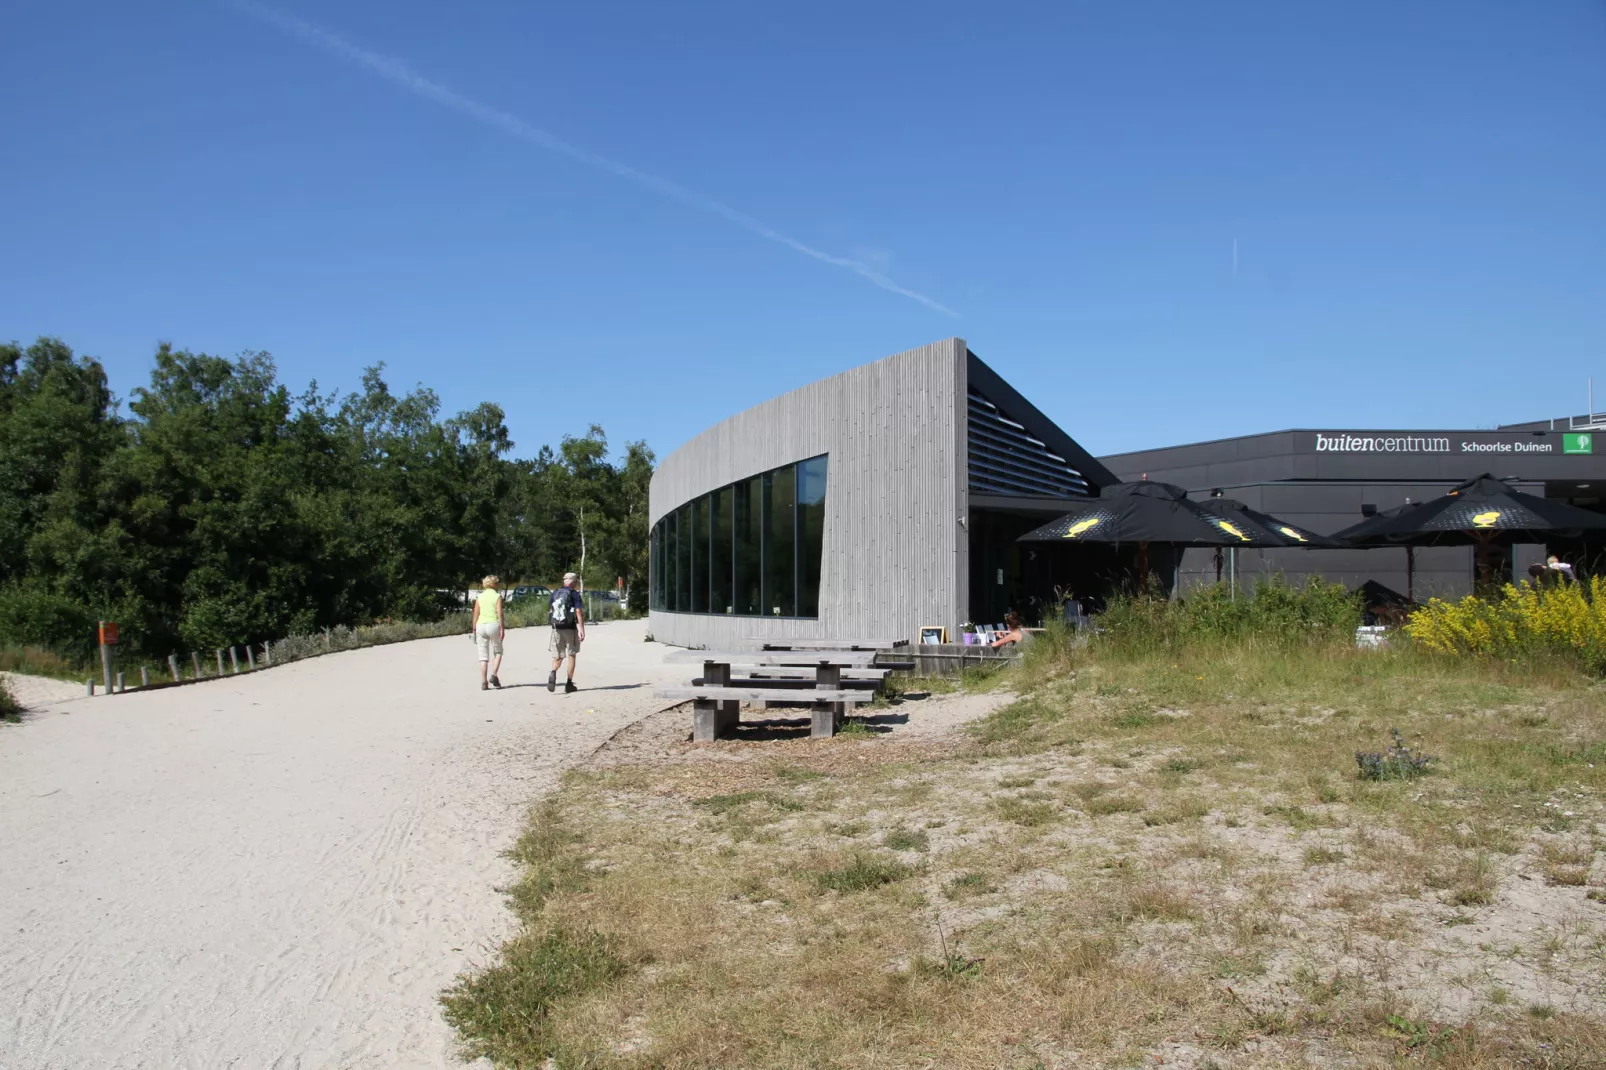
<point>718,697</point>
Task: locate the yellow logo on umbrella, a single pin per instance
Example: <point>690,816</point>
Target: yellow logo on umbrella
<point>1083,525</point>
<point>1230,530</point>
<point>1292,534</point>
<point>1486,520</point>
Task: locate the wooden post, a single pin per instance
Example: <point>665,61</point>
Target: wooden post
<point>220,662</point>
<point>250,659</point>
<point>120,687</point>
<point>91,683</point>
<point>267,652</point>
<point>144,677</point>
<point>326,639</point>
<point>234,659</point>
<point>195,659</point>
<point>172,665</point>
<point>713,719</point>
<point>106,640</point>
<point>826,716</point>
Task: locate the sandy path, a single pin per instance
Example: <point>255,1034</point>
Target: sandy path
<point>36,691</point>
<point>280,870</point>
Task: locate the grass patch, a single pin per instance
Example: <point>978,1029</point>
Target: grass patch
<point>1027,812</point>
<point>1275,935</point>
<point>37,661</point>
<point>860,873</point>
<point>504,1013</point>
<point>966,885</point>
<point>724,805</point>
<point>903,839</point>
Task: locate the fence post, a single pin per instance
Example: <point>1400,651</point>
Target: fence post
<point>106,655</point>
<point>326,640</point>
<point>220,661</point>
<point>120,687</point>
<point>172,664</point>
<point>91,683</point>
<point>250,659</point>
<point>195,658</point>
<point>234,659</point>
<point>267,652</point>
<point>144,677</point>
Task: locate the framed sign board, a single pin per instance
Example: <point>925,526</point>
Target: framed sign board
<point>931,634</point>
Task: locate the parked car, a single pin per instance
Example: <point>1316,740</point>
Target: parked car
<point>530,591</point>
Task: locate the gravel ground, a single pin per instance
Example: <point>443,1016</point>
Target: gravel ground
<point>283,869</point>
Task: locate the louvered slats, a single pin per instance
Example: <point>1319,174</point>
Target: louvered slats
<point>1006,459</point>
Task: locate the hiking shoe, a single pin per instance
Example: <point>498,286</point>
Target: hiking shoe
<point>569,688</point>
<point>496,683</point>
<point>551,681</point>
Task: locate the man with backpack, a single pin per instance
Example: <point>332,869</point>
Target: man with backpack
<point>566,614</point>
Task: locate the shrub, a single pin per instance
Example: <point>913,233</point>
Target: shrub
<point>30,615</point>
<point>1274,611</point>
<point>10,708</point>
<point>1399,762</point>
<point>1525,621</point>
<point>37,661</point>
<point>380,633</point>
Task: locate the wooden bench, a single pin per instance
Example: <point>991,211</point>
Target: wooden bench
<point>717,698</point>
<point>850,680</point>
<point>716,709</point>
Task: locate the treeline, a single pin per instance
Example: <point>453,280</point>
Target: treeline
<point>222,509</point>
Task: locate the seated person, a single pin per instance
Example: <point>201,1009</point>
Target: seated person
<point>1012,632</point>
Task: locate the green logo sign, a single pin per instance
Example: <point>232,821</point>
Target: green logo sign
<point>1577,443</point>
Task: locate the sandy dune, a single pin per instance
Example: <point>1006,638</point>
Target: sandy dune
<point>280,870</point>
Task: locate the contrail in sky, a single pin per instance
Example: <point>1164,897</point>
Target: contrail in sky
<point>397,73</point>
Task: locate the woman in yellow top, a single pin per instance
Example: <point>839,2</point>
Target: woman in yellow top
<point>488,631</point>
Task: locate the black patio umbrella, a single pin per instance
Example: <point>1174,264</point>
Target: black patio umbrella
<point>1279,532</point>
<point>1481,512</point>
<point>1147,512</point>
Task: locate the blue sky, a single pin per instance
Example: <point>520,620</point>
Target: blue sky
<point>1415,191</point>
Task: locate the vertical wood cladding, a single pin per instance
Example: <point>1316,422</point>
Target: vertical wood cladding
<point>894,553</point>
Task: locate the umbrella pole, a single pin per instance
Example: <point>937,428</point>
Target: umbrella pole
<point>1410,573</point>
<point>1143,569</point>
<point>1218,564</point>
<point>1484,572</point>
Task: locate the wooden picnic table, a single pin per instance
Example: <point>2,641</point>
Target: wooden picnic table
<point>717,703</point>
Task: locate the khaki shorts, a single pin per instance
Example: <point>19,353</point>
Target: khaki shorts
<point>488,638</point>
<point>565,642</point>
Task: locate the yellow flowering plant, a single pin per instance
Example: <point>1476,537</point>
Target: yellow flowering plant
<point>1569,619</point>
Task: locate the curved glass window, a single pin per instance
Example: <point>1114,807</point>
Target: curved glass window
<point>753,548</point>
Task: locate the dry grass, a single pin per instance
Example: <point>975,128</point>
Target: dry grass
<point>1139,862</point>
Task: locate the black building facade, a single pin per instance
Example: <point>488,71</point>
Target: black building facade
<point>1327,480</point>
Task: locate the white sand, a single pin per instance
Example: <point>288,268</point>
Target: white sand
<point>35,692</point>
<point>280,870</point>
